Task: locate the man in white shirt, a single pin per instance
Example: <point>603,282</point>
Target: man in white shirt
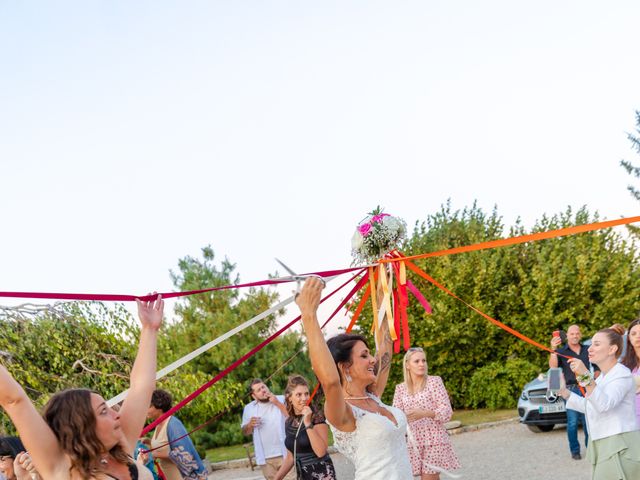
<point>264,419</point>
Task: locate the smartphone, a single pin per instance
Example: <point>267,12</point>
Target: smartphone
<point>560,334</point>
<point>553,378</point>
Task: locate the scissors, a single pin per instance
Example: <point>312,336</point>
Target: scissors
<point>298,278</point>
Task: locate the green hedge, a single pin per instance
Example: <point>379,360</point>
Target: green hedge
<point>498,385</point>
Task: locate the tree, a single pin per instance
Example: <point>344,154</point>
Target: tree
<point>85,345</point>
<point>92,345</point>
<point>631,169</point>
<point>206,316</point>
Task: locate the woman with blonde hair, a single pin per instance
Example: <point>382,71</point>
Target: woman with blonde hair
<point>80,436</point>
<point>425,401</point>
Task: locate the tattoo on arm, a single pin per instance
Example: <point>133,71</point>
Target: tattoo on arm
<point>385,361</point>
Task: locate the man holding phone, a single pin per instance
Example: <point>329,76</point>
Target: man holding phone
<point>575,349</point>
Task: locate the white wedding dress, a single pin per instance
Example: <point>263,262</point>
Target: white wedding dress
<point>377,447</point>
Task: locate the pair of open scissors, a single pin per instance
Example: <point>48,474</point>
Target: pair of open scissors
<point>298,278</point>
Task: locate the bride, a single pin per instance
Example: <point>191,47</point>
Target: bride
<point>368,432</point>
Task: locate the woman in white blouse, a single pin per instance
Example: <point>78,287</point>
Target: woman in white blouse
<point>609,405</point>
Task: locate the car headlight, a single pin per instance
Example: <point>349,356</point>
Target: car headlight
<point>524,396</point>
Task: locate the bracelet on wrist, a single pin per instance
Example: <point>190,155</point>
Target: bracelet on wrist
<point>309,427</point>
<point>585,379</point>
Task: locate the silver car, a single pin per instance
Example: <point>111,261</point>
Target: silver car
<point>539,409</point>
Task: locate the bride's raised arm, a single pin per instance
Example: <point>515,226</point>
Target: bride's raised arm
<point>337,412</point>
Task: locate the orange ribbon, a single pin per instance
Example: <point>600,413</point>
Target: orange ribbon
<point>359,309</point>
<point>503,242</point>
<point>513,332</point>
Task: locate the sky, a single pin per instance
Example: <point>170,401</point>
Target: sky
<point>133,134</point>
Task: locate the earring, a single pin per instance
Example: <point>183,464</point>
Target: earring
<point>347,376</point>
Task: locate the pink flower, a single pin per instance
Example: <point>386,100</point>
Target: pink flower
<point>378,218</point>
<point>364,229</point>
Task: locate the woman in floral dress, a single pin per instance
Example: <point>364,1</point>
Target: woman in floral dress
<point>424,399</point>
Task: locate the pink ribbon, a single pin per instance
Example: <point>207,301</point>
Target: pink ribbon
<point>416,293</point>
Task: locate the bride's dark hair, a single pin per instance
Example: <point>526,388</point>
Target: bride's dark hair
<point>341,347</point>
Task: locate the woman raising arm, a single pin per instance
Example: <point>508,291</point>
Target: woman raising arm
<point>80,437</point>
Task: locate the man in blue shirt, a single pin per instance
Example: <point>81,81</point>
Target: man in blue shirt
<point>574,349</point>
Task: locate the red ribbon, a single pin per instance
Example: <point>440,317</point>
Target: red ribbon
<point>241,360</point>
<point>217,416</point>
<point>401,301</point>
<point>146,298</point>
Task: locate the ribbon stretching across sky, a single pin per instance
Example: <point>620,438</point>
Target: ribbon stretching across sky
<point>400,264</point>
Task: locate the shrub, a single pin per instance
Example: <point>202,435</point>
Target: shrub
<point>219,434</point>
<point>498,384</point>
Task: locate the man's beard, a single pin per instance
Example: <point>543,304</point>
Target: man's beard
<point>263,400</point>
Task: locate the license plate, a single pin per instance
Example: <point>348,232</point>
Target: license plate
<point>554,408</point>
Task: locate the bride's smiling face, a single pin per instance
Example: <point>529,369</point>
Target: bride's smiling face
<point>362,364</point>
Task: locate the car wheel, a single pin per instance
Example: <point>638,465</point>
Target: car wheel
<point>540,428</point>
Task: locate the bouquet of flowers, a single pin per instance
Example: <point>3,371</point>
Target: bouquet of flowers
<point>377,235</point>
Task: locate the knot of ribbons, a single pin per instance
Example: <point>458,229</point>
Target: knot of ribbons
<point>388,303</point>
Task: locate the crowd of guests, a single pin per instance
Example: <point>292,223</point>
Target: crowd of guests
<point>79,437</point>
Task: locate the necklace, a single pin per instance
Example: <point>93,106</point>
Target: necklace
<point>357,398</point>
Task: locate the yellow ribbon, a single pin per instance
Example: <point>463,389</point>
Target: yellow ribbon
<point>402,278</point>
<point>386,298</point>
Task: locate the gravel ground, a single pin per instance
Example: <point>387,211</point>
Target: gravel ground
<point>508,451</point>
<point>512,452</point>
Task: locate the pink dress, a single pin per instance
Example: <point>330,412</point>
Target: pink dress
<point>427,439</point>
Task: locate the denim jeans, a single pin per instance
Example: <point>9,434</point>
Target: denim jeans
<point>573,419</point>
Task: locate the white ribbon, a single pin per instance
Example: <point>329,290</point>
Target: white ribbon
<point>199,351</point>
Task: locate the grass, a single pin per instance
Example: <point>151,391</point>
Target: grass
<point>467,417</point>
<point>483,415</point>
<point>221,454</point>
